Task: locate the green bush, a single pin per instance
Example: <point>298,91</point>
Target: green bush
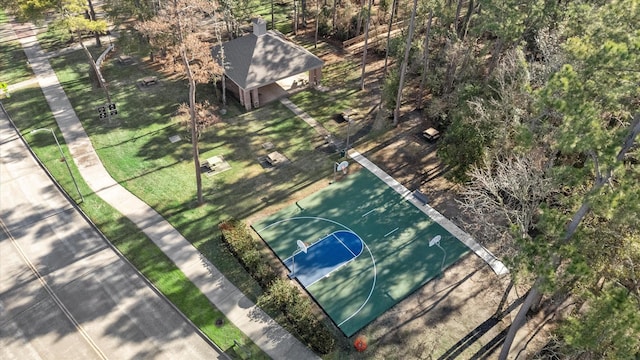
<point>280,295</point>
<point>237,237</point>
<point>390,89</point>
<point>265,275</point>
<point>252,258</point>
<point>286,298</point>
<point>460,148</point>
<point>240,242</point>
<point>320,338</point>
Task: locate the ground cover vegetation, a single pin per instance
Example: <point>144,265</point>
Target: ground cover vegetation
<point>538,106</point>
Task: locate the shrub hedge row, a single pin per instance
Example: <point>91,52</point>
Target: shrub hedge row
<point>240,242</point>
<point>279,294</point>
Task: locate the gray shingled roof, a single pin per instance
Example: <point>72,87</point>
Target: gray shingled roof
<point>252,61</point>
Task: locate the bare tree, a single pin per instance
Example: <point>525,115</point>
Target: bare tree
<point>334,11</point>
<point>177,30</point>
<point>425,59</point>
<point>386,55</point>
<point>366,42</point>
<point>505,194</point>
<point>403,69</point>
<point>222,63</point>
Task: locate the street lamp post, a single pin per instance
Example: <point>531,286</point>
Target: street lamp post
<point>64,158</point>
<point>346,148</point>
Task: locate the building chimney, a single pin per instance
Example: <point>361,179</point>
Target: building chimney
<point>259,27</point>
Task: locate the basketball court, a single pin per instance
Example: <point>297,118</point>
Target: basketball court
<point>359,247</point>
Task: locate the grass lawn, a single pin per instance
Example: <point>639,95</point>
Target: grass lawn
<point>281,15</point>
<point>136,150</point>
<point>30,111</point>
<point>138,154</point>
<point>13,63</point>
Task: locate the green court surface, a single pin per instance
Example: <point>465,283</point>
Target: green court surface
<point>396,259</point>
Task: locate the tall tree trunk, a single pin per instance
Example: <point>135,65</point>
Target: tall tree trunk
<point>403,70</point>
<point>101,82</point>
<point>579,215</point>
<point>335,14</point>
<point>222,65</point>
<point>425,56</point>
<point>295,17</point>
<point>495,57</point>
<point>455,21</point>
<point>450,73</point>
<point>359,20</point>
<point>315,42</point>
<point>273,24</point>
<point>194,124</point>
<point>366,41</point>
<point>303,11</point>
<point>92,17</point>
<point>467,20</point>
<point>224,88</point>
<point>520,319</point>
<point>386,55</point>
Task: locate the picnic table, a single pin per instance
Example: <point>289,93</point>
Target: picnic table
<point>274,158</point>
<point>431,134</point>
<point>212,162</point>
<point>125,59</point>
<point>149,80</point>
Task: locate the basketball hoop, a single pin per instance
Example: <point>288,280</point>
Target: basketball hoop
<point>302,246</point>
<point>339,167</point>
<point>435,241</point>
<point>343,167</point>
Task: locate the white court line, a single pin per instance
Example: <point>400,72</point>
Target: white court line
<point>375,275</point>
<point>391,232</point>
<point>345,245</point>
<point>496,265</point>
<point>373,260</point>
<point>343,264</point>
<point>331,272</point>
<point>369,212</point>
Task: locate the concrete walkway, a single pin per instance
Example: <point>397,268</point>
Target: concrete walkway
<point>263,331</point>
<point>495,264</point>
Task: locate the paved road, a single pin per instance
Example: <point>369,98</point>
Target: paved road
<point>64,292</point>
